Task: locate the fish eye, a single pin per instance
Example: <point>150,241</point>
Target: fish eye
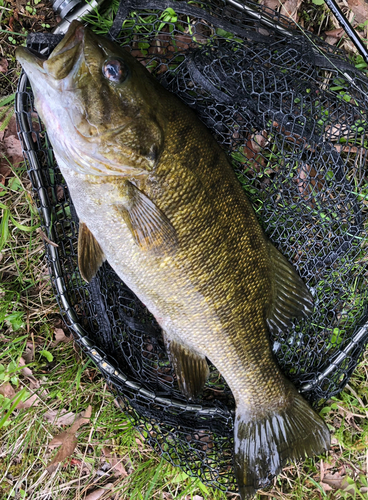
<point>115,70</point>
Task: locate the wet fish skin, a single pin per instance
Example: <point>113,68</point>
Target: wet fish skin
<point>157,198</point>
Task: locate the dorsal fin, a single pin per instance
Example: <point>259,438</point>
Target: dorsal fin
<point>291,298</point>
<point>90,255</point>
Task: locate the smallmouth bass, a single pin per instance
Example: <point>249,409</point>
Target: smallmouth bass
<point>157,197</point>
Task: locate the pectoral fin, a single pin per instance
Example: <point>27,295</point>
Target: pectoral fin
<point>150,228</point>
<point>291,298</point>
<point>191,368</point>
<point>90,255</point>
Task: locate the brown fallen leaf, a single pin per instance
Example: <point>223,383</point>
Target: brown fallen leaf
<point>67,440</point>
<point>27,372</point>
<point>13,149</point>
<point>338,130</point>
<point>326,487</point>
<point>254,144</point>
<point>61,337</point>
<point>309,182</point>
<point>336,33</point>
<point>59,439</point>
<point>331,40</point>
<point>290,9</point>
<point>360,10</point>
<point>271,4</point>
<point>11,129</point>
<point>339,482</point>
<point>10,146</point>
<point>5,171</point>
<point>82,419</point>
<point>116,464</point>
<point>58,418</point>
<point>95,495</point>
<point>322,469</point>
<point>33,400</point>
<point>68,444</point>
<point>28,354</point>
<point>60,192</point>
<point>7,390</point>
<point>3,65</point>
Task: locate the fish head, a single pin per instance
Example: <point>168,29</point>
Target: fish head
<point>98,103</point>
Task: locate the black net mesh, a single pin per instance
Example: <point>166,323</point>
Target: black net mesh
<point>291,112</point>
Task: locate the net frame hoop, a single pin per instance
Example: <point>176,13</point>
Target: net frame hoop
<point>94,352</point>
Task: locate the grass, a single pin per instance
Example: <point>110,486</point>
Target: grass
<point>68,383</point>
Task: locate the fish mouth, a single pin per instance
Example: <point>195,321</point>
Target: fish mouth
<point>29,61</point>
<point>73,37</point>
<point>61,60</point>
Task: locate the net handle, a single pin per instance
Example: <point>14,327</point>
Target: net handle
<point>349,30</point>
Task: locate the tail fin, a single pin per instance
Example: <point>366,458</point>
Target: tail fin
<point>263,445</point>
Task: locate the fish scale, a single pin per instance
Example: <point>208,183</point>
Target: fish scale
<point>157,197</point>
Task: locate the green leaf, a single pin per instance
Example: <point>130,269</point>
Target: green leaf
<point>169,15</point>
<point>224,34</point>
<point>47,355</point>
<point>318,2</point>
<point>12,366</point>
<point>180,478</point>
<point>14,184</point>
<point>171,12</point>
<point>16,320</point>
<point>24,228</point>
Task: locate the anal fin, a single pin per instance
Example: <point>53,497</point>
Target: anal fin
<point>191,368</point>
<point>90,255</point>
